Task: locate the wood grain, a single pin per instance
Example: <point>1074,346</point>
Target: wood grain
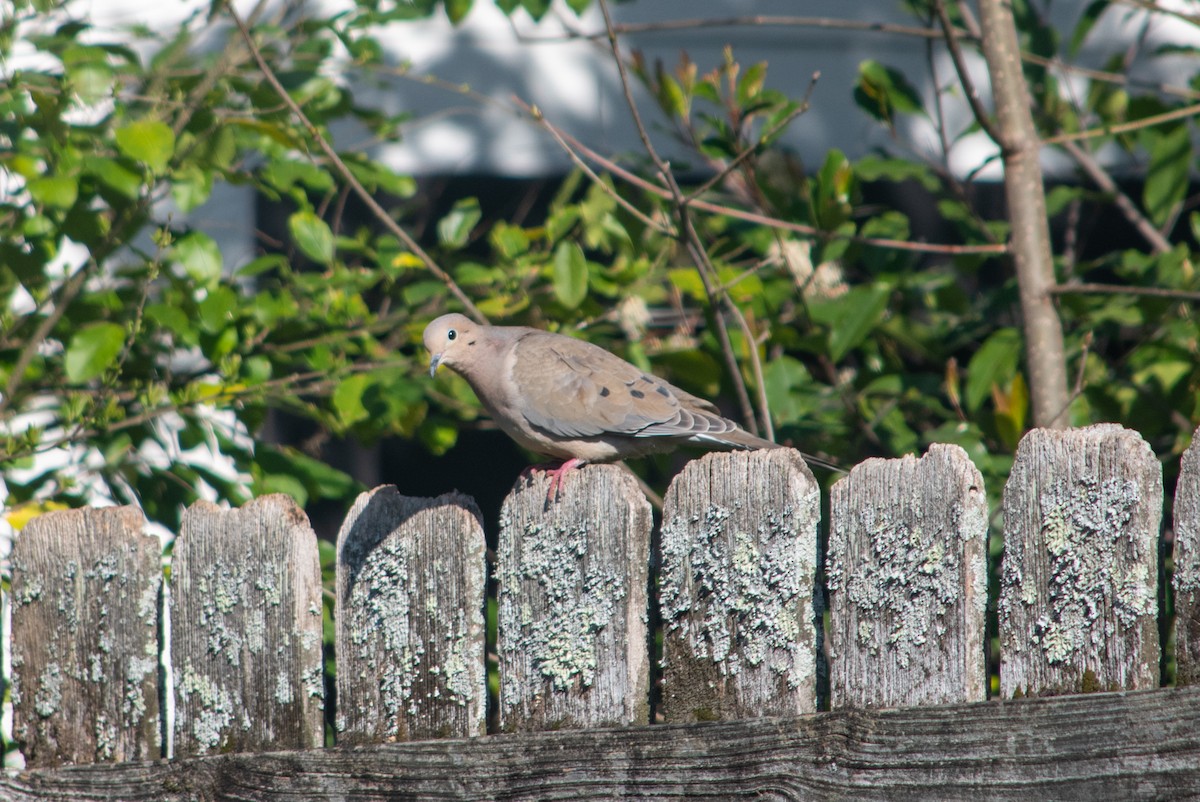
<point>85,627</point>
<point>1187,566</point>
<point>1079,579</point>
<point>572,575</point>
<point>1124,746</point>
<point>246,629</point>
<point>410,595</point>
<point>739,551</point>
<point>907,576</point>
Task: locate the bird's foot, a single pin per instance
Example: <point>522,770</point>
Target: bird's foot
<point>557,471</point>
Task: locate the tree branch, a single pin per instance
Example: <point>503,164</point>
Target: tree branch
<point>340,166</point>
<point>696,250</point>
<point>1121,289</point>
<point>960,66</point>
<point>1025,193</point>
<point>774,222</point>
<point>1124,204</point>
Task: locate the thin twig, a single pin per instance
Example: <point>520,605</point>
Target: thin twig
<point>971,33</point>
<point>1121,128</point>
<point>1147,5</point>
<point>695,247</point>
<point>765,21</point>
<point>964,76</point>
<point>1124,204</point>
<point>365,196</point>
<point>774,222</point>
<point>537,116</point>
<point>1120,289</point>
<point>750,150</point>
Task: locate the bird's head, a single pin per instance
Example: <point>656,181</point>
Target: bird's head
<point>448,338</point>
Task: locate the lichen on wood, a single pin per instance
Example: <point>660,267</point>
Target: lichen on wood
<point>410,639</point>
<point>246,629</point>
<point>1079,578</point>
<point>85,623</point>
<point>571,579</point>
<point>739,554</point>
<point>907,578</point>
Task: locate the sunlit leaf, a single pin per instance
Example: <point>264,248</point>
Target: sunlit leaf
<point>312,236</point>
<point>570,274</point>
<point>93,349</point>
<point>455,228</point>
<point>150,142</point>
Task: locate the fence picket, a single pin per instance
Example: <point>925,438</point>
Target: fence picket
<point>246,629</point>
<point>907,576</point>
<point>85,626</point>
<point>572,578</point>
<point>1079,583</point>
<point>739,550</point>
<point>1187,566</point>
<point>410,597</point>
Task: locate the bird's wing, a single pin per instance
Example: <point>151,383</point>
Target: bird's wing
<point>572,388</point>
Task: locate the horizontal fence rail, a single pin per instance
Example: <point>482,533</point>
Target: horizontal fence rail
<point>737,571</point>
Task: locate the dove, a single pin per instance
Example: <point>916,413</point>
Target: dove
<point>574,401</point>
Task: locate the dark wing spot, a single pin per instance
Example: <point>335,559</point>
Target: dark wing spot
<point>637,394</point>
<point>646,378</point>
<point>663,391</point>
<point>604,392</point>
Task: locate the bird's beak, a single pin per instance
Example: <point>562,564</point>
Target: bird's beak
<point>434,361</point>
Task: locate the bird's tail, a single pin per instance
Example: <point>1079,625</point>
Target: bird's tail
<point>740,439</point>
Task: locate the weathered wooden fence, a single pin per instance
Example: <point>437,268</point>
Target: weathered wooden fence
<point>906,571</point>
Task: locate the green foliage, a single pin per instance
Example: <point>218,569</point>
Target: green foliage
<point>132,335</point>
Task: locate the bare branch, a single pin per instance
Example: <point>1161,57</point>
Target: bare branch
<point>1025,192</point>
<point>773,222</point>
<point>366,197</point>
<point>696,250</point>
<point>1132,125</point>
<point>1124,204</point>
<point>964,76</point>
<point>1121,289</point>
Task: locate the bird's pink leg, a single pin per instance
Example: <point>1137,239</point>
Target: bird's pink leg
<point>556,476</point>
<point>556,471</point>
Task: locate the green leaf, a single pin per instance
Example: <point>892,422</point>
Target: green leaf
<point>578,6</point>
<point>455,228</point>
<point>835,188</point>
<point>438,436</point>
<point>570,274</point>
<point>875,168</point>
<point>191,187</point>
<point>59,191</point>
<point>93,350</point>
<point>780,377</point>
<point>851,317</point>
<point>150,142</point>
<point>348,399</point>
<point>536,8</point>
<point>1167,176</point>
<point>751,83</point>
<point>457,10</point>
<point>994,363</point>
<point>1087,20</point>
<point>312,236</point>
<point>116,176</point>
<point>883,92</point>
<point>217,310</point>
<point>200,257</point>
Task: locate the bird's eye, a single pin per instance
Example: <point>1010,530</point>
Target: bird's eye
<point>452,334</point>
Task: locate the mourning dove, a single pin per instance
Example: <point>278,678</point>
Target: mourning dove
<point>574,401</point>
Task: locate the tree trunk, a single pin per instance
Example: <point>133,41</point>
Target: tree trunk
<point>1024,191</point>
